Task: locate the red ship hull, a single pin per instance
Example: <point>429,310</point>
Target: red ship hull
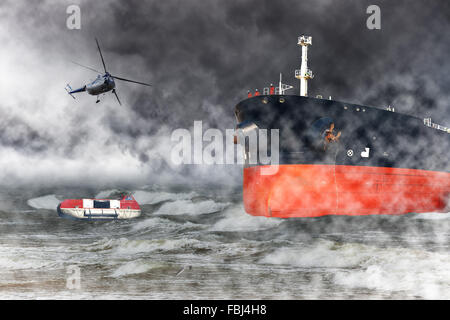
<point>303,190</point>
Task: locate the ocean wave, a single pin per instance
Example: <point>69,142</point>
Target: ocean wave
<point>125,246</point>
<point>237,220</point>
<point>137,267</point>
<point>432,216</point>
<point>153,222</point>
<point>323,254</point>
<point>189,207</point>
<point>105,194</point>
<point>387,270</point>
<point>23,260</point>
<point>49,202</point>
<point>103,244</point>
<point>150,197</point>
<point>165,224</point>
<point>420,273</point>
<point>20,263</point>
<point>146,197</point>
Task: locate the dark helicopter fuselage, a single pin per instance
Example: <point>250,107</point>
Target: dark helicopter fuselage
<point>101,85</point>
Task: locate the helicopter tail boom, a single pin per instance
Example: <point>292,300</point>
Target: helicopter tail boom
<point>70,91</point>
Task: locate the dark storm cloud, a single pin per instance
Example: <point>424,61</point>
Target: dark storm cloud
<point>203,56</point>
<point>216,50</point>
<point>15,133</point>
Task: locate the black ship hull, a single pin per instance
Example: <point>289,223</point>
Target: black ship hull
<point>342,158</point>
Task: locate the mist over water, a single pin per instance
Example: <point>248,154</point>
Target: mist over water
<point>193,239</point>
<point>197,244</point>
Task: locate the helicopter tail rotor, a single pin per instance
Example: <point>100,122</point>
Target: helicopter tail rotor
<point>69,90</point>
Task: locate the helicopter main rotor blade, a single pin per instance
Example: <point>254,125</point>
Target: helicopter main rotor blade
<point>92,69</point>
<point>101,56</point>
<point>128,80</point>
<point>114,91</point>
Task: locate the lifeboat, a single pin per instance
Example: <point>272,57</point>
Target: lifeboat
<point>125,207</point>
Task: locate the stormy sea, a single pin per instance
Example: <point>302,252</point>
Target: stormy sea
<point>200,244</point>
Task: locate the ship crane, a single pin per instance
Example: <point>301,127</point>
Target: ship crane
<point>304,74</point>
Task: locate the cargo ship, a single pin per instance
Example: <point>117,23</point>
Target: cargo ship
<point>338,158</point>
<point>124,207</point>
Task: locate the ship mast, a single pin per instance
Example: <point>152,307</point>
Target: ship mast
<point>304,73</point>
<point>282,87</point>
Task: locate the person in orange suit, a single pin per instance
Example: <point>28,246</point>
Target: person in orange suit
<point>330,137</point>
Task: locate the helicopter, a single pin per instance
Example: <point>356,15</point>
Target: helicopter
<point>102,84</point>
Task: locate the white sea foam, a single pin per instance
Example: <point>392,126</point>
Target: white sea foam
<point>158,223</point>
<point>414,272</point>
<point>151,197</point>
<point>49,202</point>
<point>237,220</point>
<point>19,263</point>
<point>152,223</point>
<point>324,254</point>
<point>422,273</point>
<point>136,267</point>
<point>189,207</point>
<point>13,258</point>
<point>127,247</point>
<point>124,246</point>
<point>146,197</point>
<point>432,216</point>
